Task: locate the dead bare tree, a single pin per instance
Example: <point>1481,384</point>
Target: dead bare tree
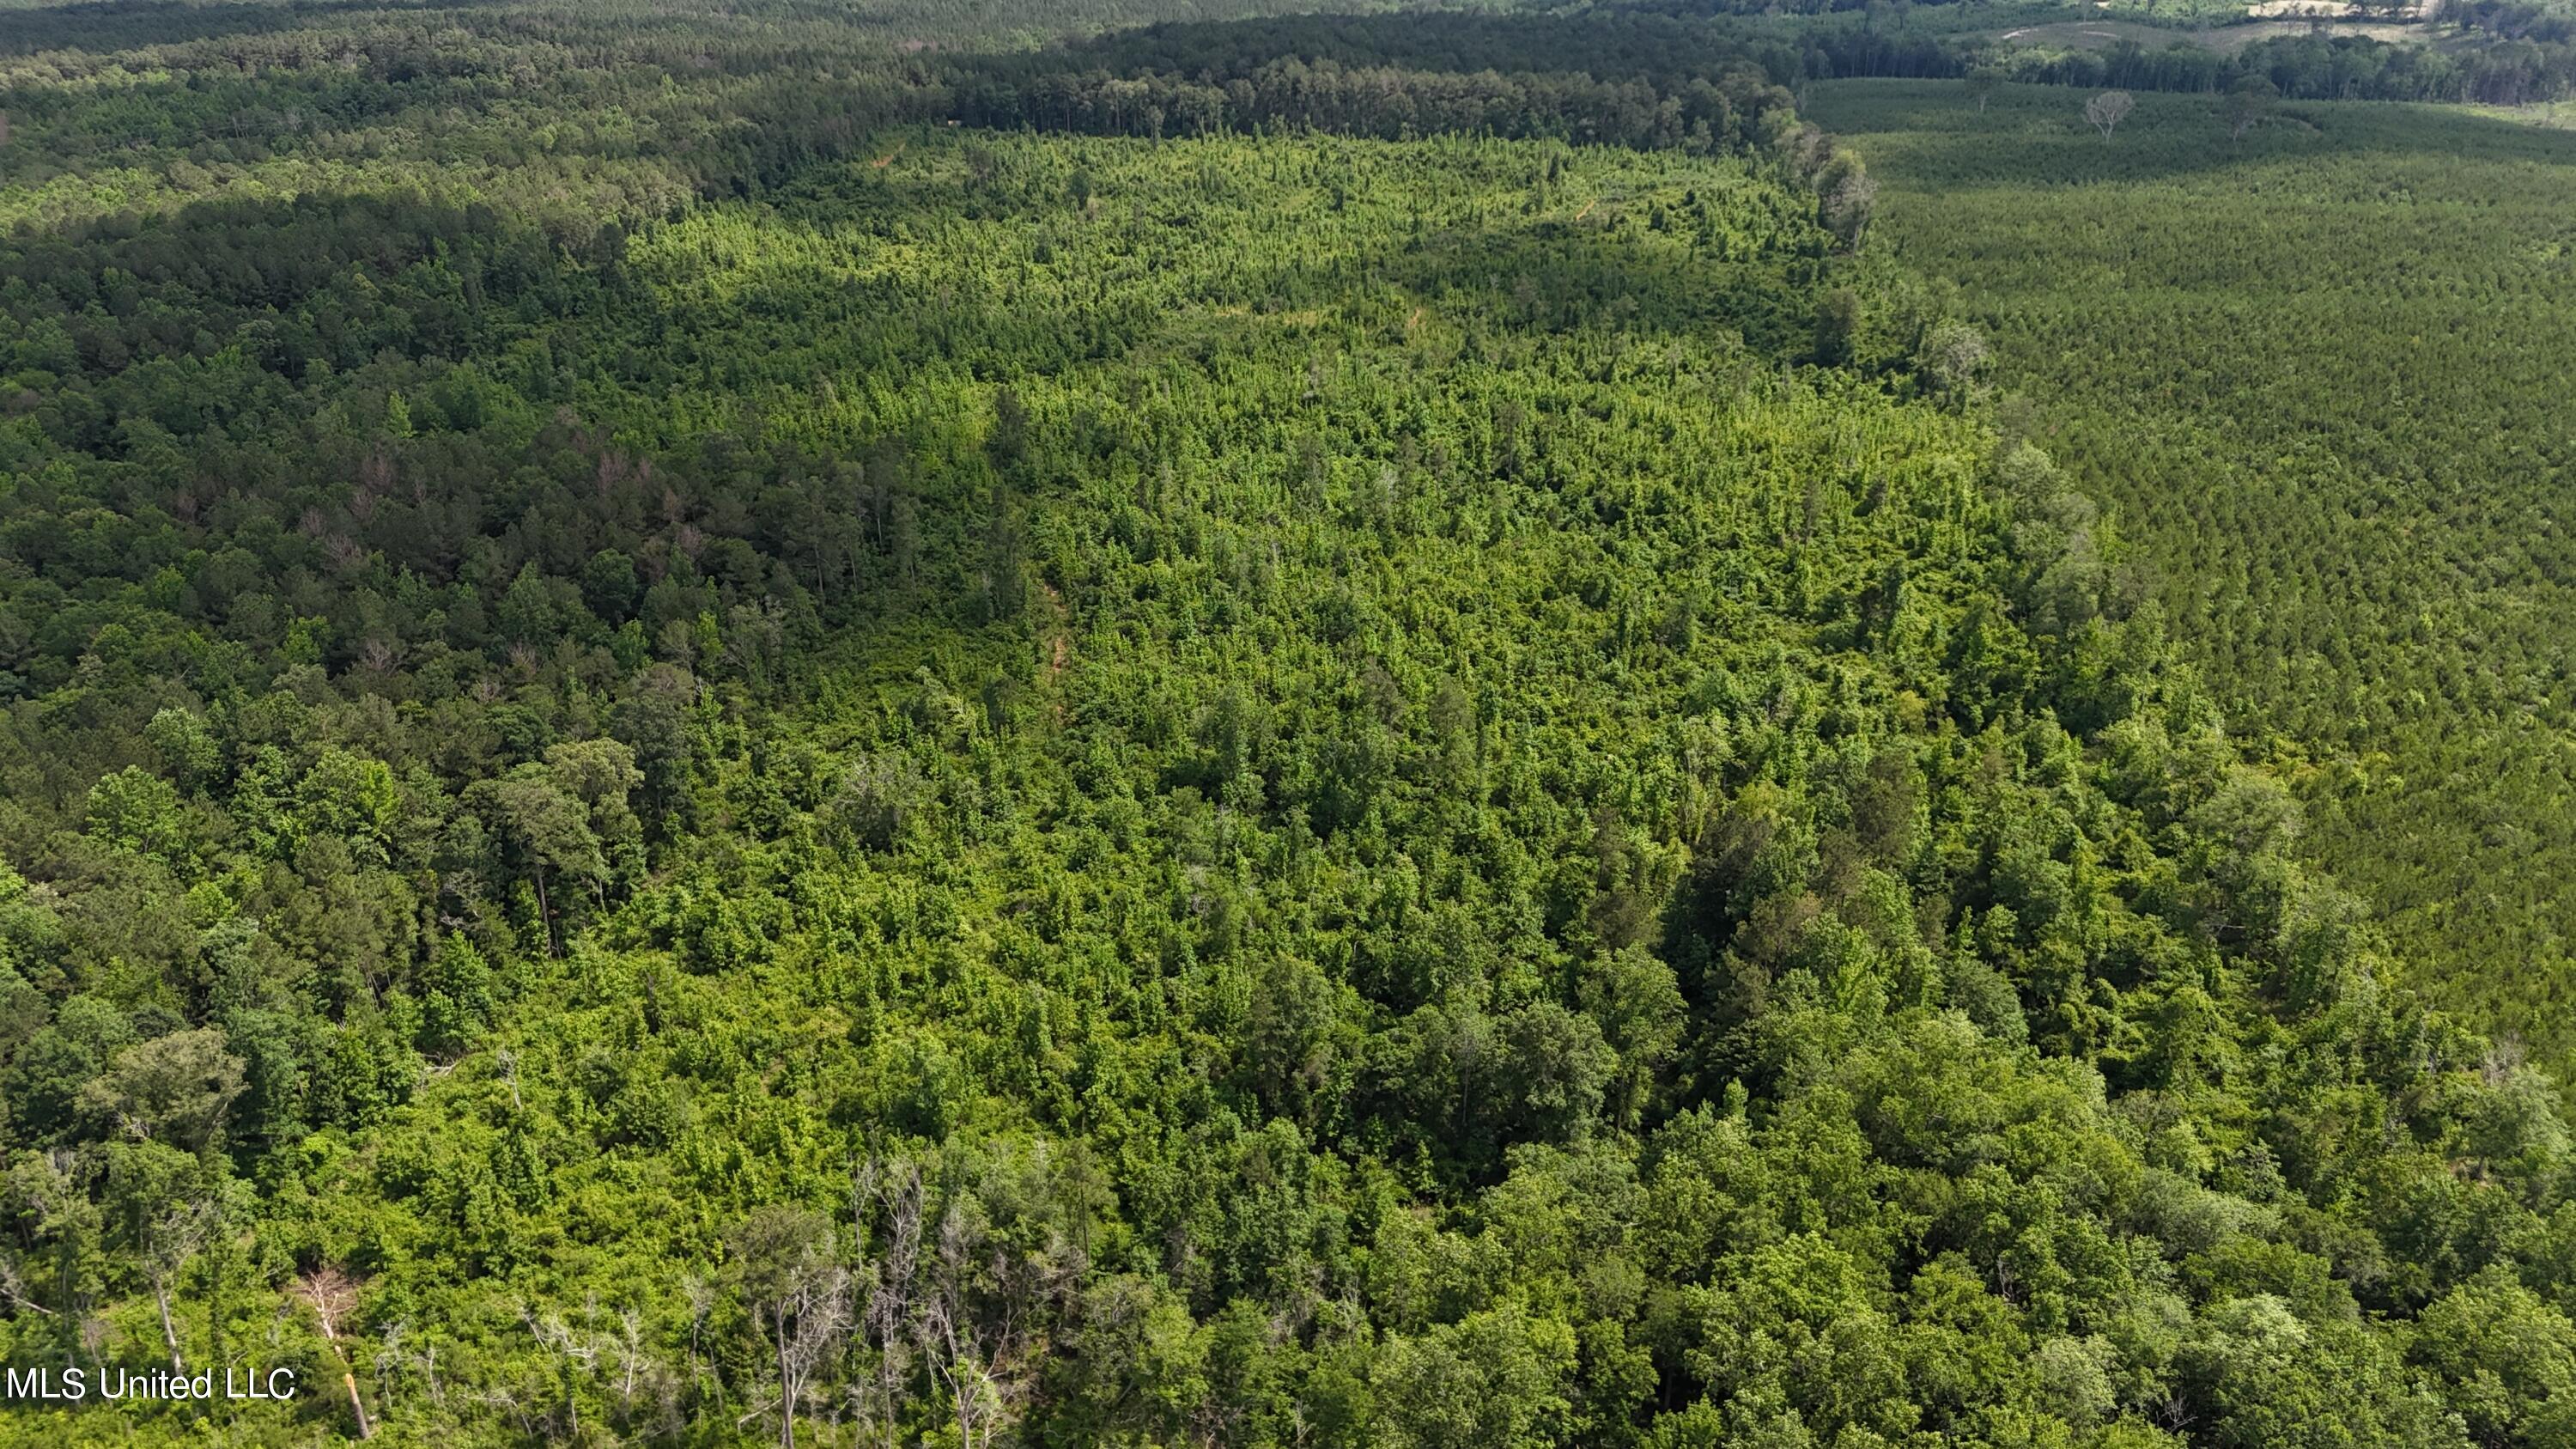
<point>174,1238</point>
<point>701,1296</point>
<point>333,1296</point>
<point>974,1392</point>
<point>816,1320</point>
<point>13,1287</point>
<point>578,1353</point>
<point>2107,110</point>
<point>395,1357</point>
<point>632,1356</point>
<point>798,1294</point>
<point>887,1325</point>
<point>964,1361</point>
<point>948,1304</point>
<point>392,1356</point>
<point>504,1400</point>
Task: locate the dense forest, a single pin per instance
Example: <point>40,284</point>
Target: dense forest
<point>727,725</point>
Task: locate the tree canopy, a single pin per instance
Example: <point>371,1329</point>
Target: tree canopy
<point>716,731</point>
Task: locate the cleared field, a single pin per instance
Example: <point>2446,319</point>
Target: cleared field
<point>2555,115</point>
<point>2224,39</point>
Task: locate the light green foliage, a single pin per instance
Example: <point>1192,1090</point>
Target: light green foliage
<point>137,811</point>
<point>2506,1362</point>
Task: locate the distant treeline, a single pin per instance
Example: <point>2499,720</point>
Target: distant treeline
<point>1643,81</point>
<point>2510,19</point>
<point>2529,61</point>
<point>1651,80</point>
<point>2326,68</point>
<point>1634,77</point>
<point>1638,80</point>
<point>1393,104</point>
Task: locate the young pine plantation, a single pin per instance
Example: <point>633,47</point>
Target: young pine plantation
<point>2317,369</point>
